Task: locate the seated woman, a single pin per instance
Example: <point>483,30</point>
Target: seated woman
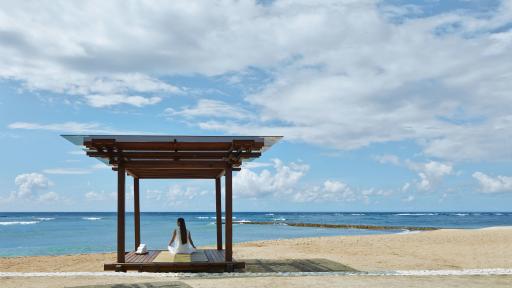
<point>183,243</point>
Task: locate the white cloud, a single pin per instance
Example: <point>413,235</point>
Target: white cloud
<point>76,171</point>
<point>430,173</point>
<point>49,197</point>
<point>176,195</point>
<point>92,195</point>
<point>406,187</point>
<point>328,192</point>
<point>337,191</point>
<point>179,194</point>
<point>100,196</point>
<point>67,171</point>
<point>335,186</point>
<point>211,109</point>
<point>342,73</point>
<point>496,184</point>
<point>368,194</point>
<point>152,194</point>
<point>101,63</point>
<point>67,126</point>
<point>281,180</point>
<point>388,158</point>
<point>31,187</point>
<point>30,183</point>
<point>70,127</point>
<point>254,165</point>
<point>100,166</point>
<point>409,198</point>
<point>371,83</point>
<point>111,100</point>
<point>276,179</point>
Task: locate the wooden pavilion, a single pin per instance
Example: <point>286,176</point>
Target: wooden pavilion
<point>174,157</point>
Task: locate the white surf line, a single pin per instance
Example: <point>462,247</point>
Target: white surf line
<point>464,272</point>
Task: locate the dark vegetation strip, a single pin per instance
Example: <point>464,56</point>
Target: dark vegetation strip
<point>342,226</point>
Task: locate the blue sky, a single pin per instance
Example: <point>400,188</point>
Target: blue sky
<point>383,105</point>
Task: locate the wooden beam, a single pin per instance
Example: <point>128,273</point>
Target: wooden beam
<point>136,211</point>
<point>218,212</point>
<point>229,215</point>
<point>172,155</point>
<point>176,164</point>
<point>127,172</point>
<point>176,177</point>
<point>120,213</point>
<point>247,144</point>
<point>162,173</point>
<point>102,141</point>
<point>175,173</point>
<point>175,146</point>
<point>175,170</point>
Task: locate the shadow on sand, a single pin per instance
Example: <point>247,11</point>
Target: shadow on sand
<point>173,284</point>
<point>254,266</point>
<point>295,265</point>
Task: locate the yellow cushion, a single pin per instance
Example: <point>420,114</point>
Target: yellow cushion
<point>197,256</point>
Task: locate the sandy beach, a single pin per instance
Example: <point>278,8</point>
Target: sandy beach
<point>431,250</point>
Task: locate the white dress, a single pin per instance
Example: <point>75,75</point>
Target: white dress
<point>179,248</point>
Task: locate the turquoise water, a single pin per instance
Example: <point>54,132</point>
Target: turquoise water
<point>71,233</point>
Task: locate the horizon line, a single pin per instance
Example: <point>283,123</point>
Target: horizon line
<point>404,211</point>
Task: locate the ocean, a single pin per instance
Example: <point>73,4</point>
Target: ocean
<point>59,233</point>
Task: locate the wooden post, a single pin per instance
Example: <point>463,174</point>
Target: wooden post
<point>218,212</point>
<point>229,215</point>
<point>120,211</point>
<point>136,211</point>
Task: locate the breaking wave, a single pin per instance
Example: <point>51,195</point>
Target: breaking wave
<point>45,218</point>
<point>6,223</point>
<point>242,221</point>
<point>416,214</point>
<point>91,218</point>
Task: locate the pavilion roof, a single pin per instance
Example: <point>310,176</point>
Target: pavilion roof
<point>172,156</point>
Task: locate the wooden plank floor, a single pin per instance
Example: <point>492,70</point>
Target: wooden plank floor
<point>214,255</point>
<point>131,257</point>
<point>215,263</point>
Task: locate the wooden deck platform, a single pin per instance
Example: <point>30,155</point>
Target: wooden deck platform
<point>144,263</point>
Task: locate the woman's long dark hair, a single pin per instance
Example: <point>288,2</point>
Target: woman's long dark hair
<point>183,230</point>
